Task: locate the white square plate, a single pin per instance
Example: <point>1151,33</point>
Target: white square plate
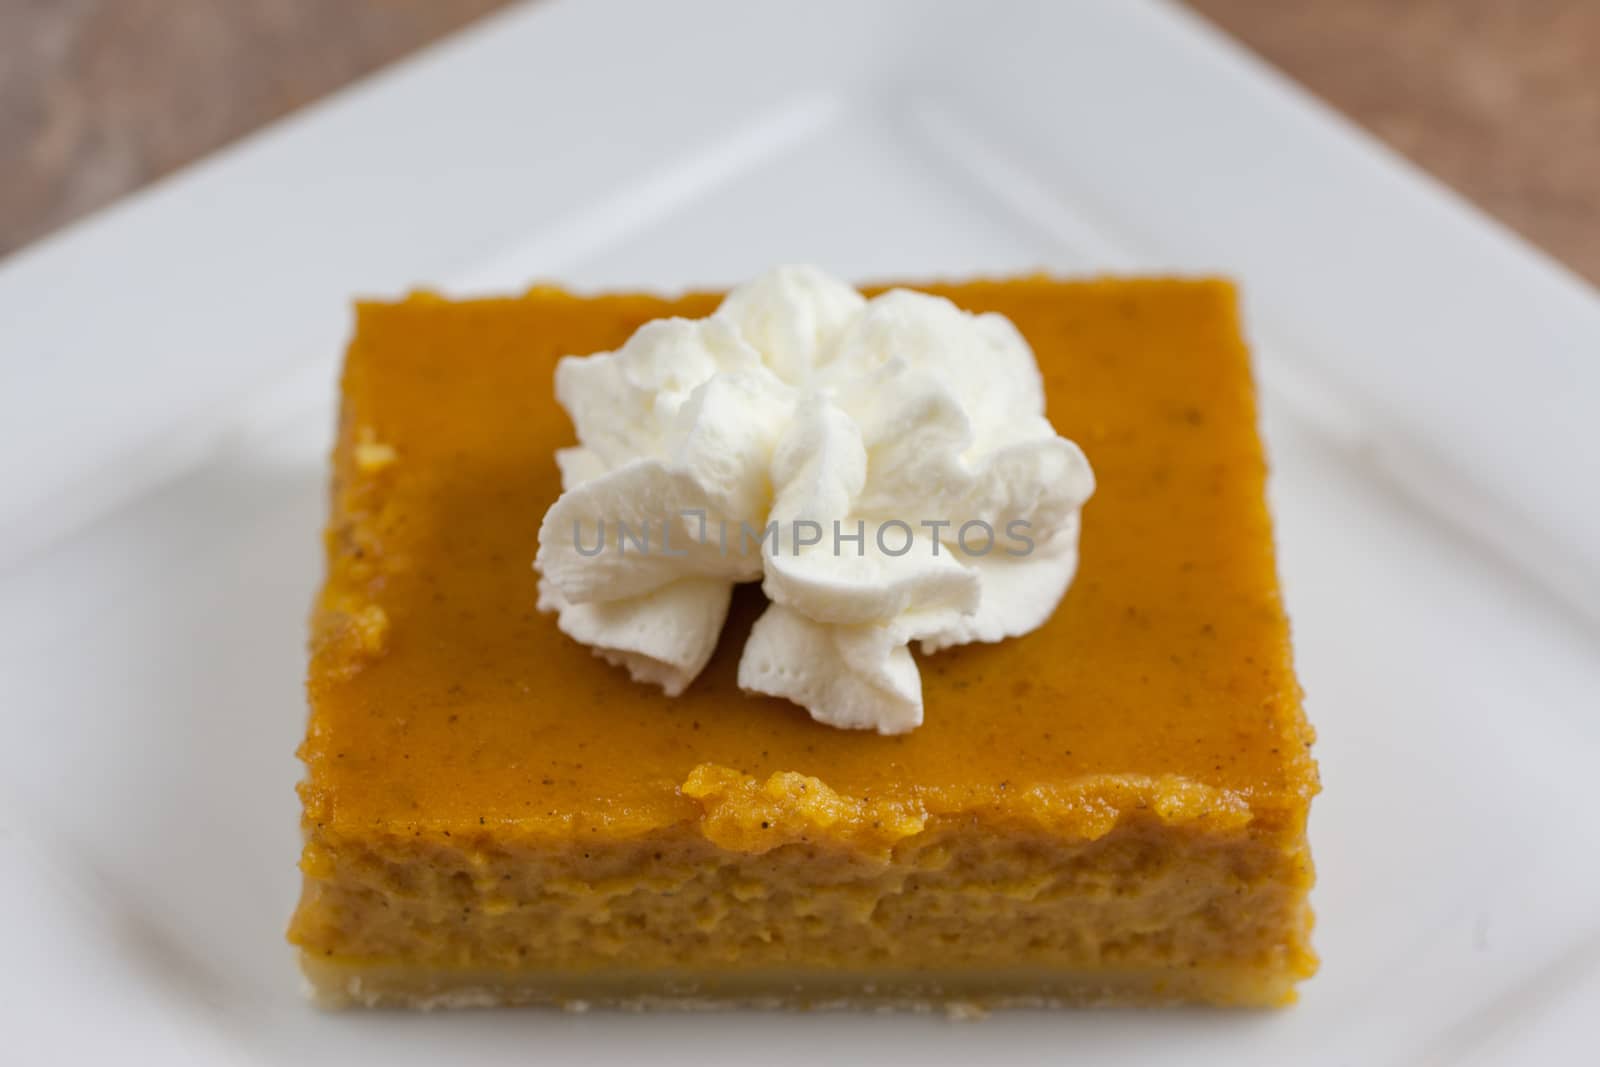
<point>166,378</point>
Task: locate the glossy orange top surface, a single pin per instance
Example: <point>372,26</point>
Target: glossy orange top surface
<point>442,698</point>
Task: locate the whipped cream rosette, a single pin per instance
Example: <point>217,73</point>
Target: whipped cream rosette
<point>883,467</point>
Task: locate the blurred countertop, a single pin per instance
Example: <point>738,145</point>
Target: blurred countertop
<point>97,97</point>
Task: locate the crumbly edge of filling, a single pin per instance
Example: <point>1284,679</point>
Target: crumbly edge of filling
<point>955,895</point>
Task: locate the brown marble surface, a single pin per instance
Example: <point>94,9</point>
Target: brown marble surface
<point>1499,98</point>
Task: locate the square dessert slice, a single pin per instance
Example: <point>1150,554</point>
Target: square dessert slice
<point>1109,809</point>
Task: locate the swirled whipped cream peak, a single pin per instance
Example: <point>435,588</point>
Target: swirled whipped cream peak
<point>883,467</point>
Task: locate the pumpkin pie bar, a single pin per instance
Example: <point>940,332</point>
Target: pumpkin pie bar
<point>1110,809</point>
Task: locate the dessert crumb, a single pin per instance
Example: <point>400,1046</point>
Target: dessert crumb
<point>371,628</point>
<point>371,454</point>
<point>964,1011</point>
